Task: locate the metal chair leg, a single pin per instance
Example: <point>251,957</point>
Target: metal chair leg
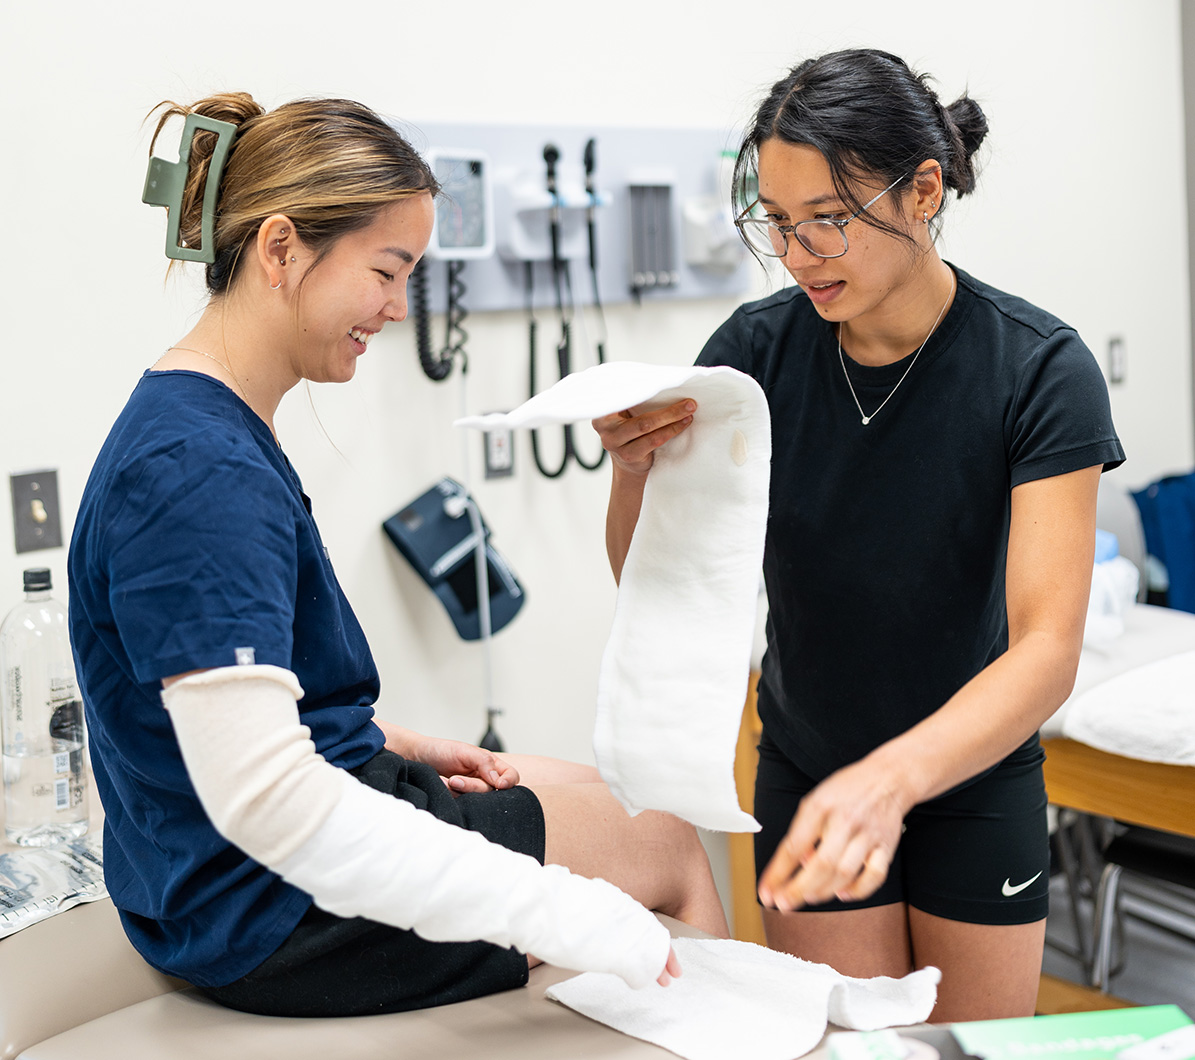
<point>1064,835</point>
<point>1105,920</point>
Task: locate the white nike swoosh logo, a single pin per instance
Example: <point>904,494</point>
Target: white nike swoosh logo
<point>1008,890</point>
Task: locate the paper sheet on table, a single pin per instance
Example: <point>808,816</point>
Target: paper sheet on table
<point>739,999</point>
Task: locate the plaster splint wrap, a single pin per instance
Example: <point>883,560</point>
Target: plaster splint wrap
<point>359,852</point>
<point>674,674</point>
<point>739,999</point>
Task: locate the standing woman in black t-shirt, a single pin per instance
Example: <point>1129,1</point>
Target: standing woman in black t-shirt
<point>937,446</point>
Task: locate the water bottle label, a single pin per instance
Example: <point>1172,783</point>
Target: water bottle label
<point>62,762</point>
<point>62,794</point>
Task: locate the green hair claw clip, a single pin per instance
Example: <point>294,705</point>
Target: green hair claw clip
<point>165,182</point>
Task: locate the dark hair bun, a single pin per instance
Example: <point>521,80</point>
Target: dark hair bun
<point>968,127</point>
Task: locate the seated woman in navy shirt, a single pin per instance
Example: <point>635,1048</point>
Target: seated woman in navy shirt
<point>267,838</point>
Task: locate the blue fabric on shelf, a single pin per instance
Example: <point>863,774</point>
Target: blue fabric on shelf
<point>1168,519</point>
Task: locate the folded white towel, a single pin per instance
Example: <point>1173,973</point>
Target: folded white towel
<point>739,999</point>
<point>1146,713</point>
<point>674,674</point>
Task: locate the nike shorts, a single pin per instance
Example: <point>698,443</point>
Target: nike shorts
<point>979,853</point>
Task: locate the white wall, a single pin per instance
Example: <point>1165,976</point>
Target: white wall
<point>1085,152</point>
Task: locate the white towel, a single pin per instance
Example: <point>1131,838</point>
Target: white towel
<point>674,674</point>
<point>1146,713</point>
<point>739,999</point>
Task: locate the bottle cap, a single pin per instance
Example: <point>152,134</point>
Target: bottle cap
<point>36,579</point>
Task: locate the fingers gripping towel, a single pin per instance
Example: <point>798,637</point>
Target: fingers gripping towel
<point>673,676</point>
<point>739,999</point>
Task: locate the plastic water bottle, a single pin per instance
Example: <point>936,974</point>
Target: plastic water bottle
<point>45,779</point>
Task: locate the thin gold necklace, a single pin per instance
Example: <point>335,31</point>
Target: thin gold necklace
<point>842,360</point>
<point>227,368</point>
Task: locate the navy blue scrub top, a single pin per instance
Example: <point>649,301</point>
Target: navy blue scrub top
<point>194,538</point>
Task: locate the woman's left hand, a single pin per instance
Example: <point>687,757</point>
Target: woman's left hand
<point>463,766</point>
<point>840,843</point>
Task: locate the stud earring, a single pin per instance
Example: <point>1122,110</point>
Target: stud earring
<point>925,217</point>
<point>293,258</point>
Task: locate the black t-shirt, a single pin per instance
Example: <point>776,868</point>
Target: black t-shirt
<point>886,543</point>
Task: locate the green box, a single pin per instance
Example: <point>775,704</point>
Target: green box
<point>1070,1036</point>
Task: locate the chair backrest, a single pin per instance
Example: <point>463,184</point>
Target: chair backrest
<point>1116,512</point>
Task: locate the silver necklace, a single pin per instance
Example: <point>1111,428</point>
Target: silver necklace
<point>842,360</point>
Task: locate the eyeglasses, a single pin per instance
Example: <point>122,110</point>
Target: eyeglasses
<point>822,237</point>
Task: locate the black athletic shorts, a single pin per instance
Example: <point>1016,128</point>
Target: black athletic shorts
<point>330,966</point>
<point>979,853</point>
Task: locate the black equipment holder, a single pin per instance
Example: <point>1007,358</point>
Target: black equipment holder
<point>442,550</point>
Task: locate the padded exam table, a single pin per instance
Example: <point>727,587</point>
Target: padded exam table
<point>73,988</point>
<point>1094,781</point>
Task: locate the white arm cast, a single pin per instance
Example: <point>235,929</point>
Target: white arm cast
<point>359,852</point>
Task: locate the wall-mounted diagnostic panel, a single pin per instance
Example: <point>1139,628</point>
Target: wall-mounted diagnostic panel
<point>463,229</point>
<point>645,212</point>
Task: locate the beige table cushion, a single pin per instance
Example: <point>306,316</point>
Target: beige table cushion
<point>516,1024</point>
<point>67,970</point>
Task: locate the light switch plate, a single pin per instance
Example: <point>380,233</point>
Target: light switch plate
<point>35,515</point>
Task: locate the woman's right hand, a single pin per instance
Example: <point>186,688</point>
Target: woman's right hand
<point>632,438</point>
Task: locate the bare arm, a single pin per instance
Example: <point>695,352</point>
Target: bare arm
<point>632,439</point>
<point>853,818</point>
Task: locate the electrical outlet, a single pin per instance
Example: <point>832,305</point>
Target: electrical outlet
<point>1116,359</point>
<point>35,516</point>
<point>499,453</point>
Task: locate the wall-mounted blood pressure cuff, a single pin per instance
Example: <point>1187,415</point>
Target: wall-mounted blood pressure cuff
<point>359,852</point>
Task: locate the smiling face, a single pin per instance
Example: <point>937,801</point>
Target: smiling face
<point>358,287</point>
<point>795,184</point>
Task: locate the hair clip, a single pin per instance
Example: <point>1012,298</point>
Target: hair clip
<point>166,181</point>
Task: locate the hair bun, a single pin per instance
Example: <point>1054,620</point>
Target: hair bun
<point>966,126</point>
<point>972,124</point>
<point>234,107</point>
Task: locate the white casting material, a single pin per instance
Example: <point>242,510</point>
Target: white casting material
<point>359,852</point>
<point>674,674</point>
<point>739,999</point>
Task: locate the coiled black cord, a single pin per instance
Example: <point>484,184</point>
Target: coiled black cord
<point>435,366</point>
<point>455,335</point>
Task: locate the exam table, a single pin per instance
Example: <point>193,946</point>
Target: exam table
<point>181,1023</point>
<point>73,988</point>
<point>1094,781</point>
